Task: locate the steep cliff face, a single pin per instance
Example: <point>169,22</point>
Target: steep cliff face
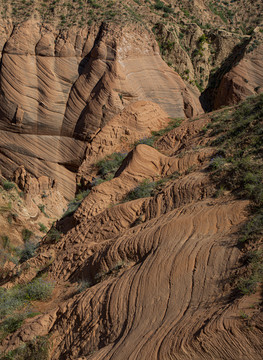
<point>245,78</point>
<point>144,263</point>
<point>58,89</point>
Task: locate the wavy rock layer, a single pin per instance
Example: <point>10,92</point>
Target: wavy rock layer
<point>245,78</point>
<point>164,301</point>
<point>158,268</point>
<point>57,87</point>
<point>135,122</point>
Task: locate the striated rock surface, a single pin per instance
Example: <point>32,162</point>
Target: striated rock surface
<point>158,269</point>
<point>245,78</point>
<point>134,123</point>
<point>156,277</point>
<point>59,89</point>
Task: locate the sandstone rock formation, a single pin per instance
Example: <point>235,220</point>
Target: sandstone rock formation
<point>157,268</point>
<point>58,89</point>
<point>245,78</point>
<point>155,276</point>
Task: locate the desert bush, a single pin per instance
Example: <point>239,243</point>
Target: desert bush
<point>147,188</point>
<point>11,324</point>
<point>253,229</point>
<point>38,348</point>
<point>42,227</point>
<point>75,203</point>
<point>20,295</point>
<point>241,148</point>
<point>83,285</point>
<point>53,235</point>
<point>28,251</point>
<point>248,286</point>
<point>5,241</point>
<point>38,289</point>
<point>239,168</point>
<point>26,234</point>
<point>143,190</point>
<point>173,123</point>
<point>8,185</point>
<point>42,209</point>
<point>146,141</point>
<point>110,164</point>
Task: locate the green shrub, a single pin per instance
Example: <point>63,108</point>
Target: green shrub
<point>238,167</point>
<point>83,285</point>
<point>110,164</point>
<point>249,285</point>
<point>253,229</point>
<point>147,188</point>
<point>173,123</point>
<point>36,349</point>
<point>6,241</point>
<point>10,218</point>
<point>75,203</point>
<point>146,141</point>
<point>241,148</point>
<point>53,235</point>
<point>8,185</point>
<point>42,209</point>
<point>28,251</point>
<point>11,324</point>
<point>20,295</point>
<point>26,234</point>
<point>143,190</point>
<point>38,289</point>
<point>42,227</point>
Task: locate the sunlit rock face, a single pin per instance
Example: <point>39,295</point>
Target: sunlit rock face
<point>59,88</point>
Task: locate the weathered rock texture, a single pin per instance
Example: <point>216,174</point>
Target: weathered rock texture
<point>158,267</point>
<point>58,89</point>
<point>245,78</point>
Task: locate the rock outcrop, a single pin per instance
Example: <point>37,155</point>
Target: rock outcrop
<point>157,269</point>
<point>245,78</point>
<point>58,89</point>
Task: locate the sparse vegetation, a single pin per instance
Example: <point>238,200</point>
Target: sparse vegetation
<point>238,164</point>
<point>113,271</point>
<point>8,185</point>
<point>150,141</point>
<point>38,348</point>
<point>83,285</point>
<point>108,166</point>
<point>248,284</point>
<point>75,203</point>
<point>26,234</point>
<point>143,190</point>
<point>148,188</point>
<point>53,235</point>
<point>21,295</point>
<point>42,209</point>
<point>15,303</point>
<point>42,227</point>
<point>238,167</point>
<point>173,123</point>
<point>28,251</point>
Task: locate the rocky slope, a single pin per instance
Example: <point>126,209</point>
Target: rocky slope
<point>59,89</point>
<point>149,277</point>
<point>62,82</point>
<point>106,101</point>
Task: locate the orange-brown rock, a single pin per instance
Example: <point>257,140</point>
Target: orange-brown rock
<point>245,78</point>
<point>164,300</point>
<point>135,122</point>
<point>57,87</point>
<point>158,268</point>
